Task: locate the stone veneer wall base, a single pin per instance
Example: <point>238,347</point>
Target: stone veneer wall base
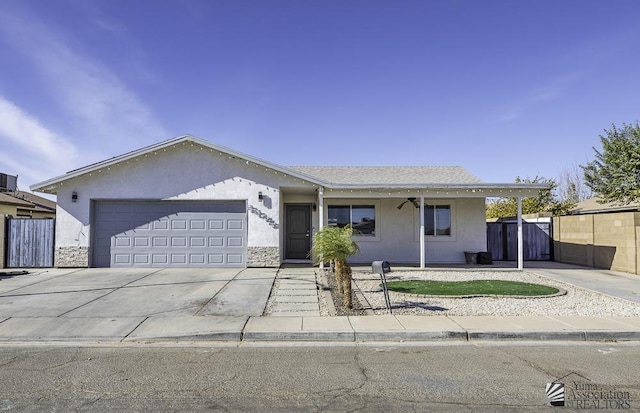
<point>72,257</point>
<point>263,257</point>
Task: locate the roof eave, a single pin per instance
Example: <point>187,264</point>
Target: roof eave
<point>51,185</point>
<point>481,189</point>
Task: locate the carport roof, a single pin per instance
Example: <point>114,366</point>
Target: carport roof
<point>336,178</point>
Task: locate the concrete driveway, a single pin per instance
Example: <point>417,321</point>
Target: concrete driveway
<point>119,303</point>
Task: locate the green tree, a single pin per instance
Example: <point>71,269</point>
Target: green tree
<point>335,244</point>
<point>614,174</point>
<point>544,202</point>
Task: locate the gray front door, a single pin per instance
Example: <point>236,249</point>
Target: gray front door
<point>298,226</point>
<point>169,234</point>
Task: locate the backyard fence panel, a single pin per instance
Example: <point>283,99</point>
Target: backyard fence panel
<point>537,240</point>
<point>495,242</point>
<point>30,242</point>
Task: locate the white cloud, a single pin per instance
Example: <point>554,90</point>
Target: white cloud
<point>30,149</point>
<point>102,108</point>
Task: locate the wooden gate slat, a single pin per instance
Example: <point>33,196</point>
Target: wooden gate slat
<point>30,242</point>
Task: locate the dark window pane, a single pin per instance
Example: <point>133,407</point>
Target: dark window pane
<point>443,220</point>
<point>363,219</point>
<point>429,223</point>
<point>338,216</point>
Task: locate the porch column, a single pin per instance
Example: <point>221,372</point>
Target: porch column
<point>422,252</point>
<point>520,246</point>
<point>320,215</point>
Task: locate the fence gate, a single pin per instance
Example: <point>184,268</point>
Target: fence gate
<point>30,242</point>
<point>537,237</point>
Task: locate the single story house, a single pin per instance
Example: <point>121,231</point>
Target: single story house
<point>188,202</point>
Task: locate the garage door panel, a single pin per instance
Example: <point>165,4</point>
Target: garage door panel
<point>160,241</point>
<point>160,259</point>
<point>169,233</point>
<point>197,224</point>
<point>216,224</point>
<point>216,259</point>
<point>161,224</point>
<point>178,224</point>
<point>141,242</point>
<point>216,241</point>
<point>141,258</point>
<point>235,224</point>
<point>178,241</point>
<point>122,258</point>
<point>122,242</point>
<point>197,259</point>
<point>178,259</point>
<point>197,241</point>
<point>234,258</point>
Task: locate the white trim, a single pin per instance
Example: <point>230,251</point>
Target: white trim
<point>422,240</point>
<point>520,246</point>
<point>320,216</point>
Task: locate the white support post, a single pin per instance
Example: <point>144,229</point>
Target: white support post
<point>422,241</point>
<point>520,242</point>
<point>321,215</point>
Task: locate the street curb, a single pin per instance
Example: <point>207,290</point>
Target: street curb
<point>526,336</point>
<point>324,336</point>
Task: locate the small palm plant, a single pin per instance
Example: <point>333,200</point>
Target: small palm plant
<point>335,244</point>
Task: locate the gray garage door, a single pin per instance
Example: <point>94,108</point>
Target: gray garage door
<point>169,234</point>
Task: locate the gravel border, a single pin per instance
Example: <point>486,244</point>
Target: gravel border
<point>576,302</point>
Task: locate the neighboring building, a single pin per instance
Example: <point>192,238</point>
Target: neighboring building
<point>599,235</point>
<point>26,205</point>
<point>188,202</point>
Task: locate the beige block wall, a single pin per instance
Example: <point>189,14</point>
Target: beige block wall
<point>573,239</point>
<point>608,240</point>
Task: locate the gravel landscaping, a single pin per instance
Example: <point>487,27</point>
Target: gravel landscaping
<point>577,301</point>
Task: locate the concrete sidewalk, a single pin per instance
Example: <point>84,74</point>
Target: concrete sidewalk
<point>384,328</point>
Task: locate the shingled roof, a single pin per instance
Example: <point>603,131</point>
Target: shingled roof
<point>389,175</point>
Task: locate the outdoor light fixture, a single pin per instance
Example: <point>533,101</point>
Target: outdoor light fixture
<point>74,196</point>
<point>260,197</point>
<point>314,207</point>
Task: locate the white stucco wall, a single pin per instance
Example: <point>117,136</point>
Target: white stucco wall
<point>397,231</point>
<point>185,172</point>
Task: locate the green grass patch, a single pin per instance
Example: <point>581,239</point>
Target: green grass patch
<point>474,287</point>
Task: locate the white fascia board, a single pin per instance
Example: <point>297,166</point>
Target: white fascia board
<point>50,185</point>
<point>436,190</point>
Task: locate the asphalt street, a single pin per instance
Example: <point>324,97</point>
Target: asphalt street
<point>481,377</point>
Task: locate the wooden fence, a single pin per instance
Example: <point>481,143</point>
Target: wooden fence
<point>30,242</point>
<point>537,237</point>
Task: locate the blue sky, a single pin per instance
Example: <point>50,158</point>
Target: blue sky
<point>502,88</point>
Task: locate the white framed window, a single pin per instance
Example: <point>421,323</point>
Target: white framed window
<point>362,218</point>
<point>437,220</point>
